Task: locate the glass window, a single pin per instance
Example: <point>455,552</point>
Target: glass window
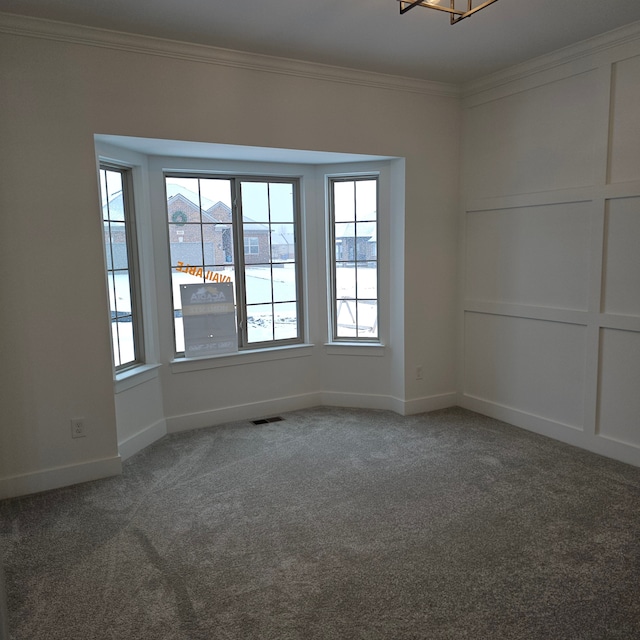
<point>122,266</point>
<point>354,265</point>
<point>241,231</point>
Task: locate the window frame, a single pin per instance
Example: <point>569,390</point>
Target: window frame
<point>239,264</point>
<point>133,266</point>
<point>334,338</point>
<point>248,242</point>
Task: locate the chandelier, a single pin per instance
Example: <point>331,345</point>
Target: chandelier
<point>453,9</point>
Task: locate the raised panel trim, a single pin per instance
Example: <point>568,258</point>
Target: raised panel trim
<point>574,195</point>
<point>550,314</point>
<point>621,322</point>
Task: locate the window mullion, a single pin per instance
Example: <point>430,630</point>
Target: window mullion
<point>238,240</point>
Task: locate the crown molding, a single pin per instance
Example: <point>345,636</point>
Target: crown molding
<point>575,52</point>
<point>135,43</point>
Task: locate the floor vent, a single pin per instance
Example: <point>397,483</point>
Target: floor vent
<point>266,420</point>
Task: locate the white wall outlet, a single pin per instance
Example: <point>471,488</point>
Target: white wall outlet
<point>418,373</point>
<point>77,428</point>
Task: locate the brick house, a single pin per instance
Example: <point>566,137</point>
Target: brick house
<point>364,246</point>
<point>193,243</point>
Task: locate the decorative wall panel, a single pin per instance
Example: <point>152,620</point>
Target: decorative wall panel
<point>624,160</point>
<point>619,397</point>
<point>533,366</point>
<point>536,140</point>
<point>532,256</point>
<point>621,275</point>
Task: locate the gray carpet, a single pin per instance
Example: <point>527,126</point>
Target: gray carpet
<point>334,524</point>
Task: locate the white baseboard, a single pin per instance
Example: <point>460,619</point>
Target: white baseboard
<point>360,401</point>
<point>556,430</point>
<point>253,410</point>
<point>57,477</point>
<point>249,411</point>
<point>391,403</point>
<point>430,403</point>
<point>139,441</point>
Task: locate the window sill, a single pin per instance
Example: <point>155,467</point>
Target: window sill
<point>354,349</point>
<point>184,365</point>
<point>133,377</point>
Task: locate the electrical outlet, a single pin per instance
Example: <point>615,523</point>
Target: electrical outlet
<point>418,373</point>
<point>77,428</point>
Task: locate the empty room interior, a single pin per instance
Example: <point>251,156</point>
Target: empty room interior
<point>320,320</point>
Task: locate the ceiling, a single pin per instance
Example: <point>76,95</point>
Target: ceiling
<point>360,34</point>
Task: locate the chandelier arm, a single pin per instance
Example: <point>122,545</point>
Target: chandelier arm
<point>404,9</point>
<point>466,14</point>
<point>455,14</point>
<point>422,3</point>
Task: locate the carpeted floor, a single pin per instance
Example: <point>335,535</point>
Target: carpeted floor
<point>334,524</point>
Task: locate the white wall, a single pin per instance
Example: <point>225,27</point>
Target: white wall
<point>550,237</point>
<point>63,84</point>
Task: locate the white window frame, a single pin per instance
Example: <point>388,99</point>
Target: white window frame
<point>132,270</point>
<point>239,243</point>
<point>333,259</point>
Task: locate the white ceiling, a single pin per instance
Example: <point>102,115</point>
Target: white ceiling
<point>361,34</point>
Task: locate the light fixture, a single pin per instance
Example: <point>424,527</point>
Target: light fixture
<point>453,9</point>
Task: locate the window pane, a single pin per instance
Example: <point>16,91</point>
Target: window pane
<point>179,334</point>
<point>366,199</point>
<point>345,281</point>
<point>178,278</point>
<point>256,244</point>
<point>259,323</point>
<point>122,293</point>
<point>345,241</point>
<point>103,193</point>
<point>117,361</point>
<point>366,240</point>
<point>367,319</point>
<point>258,285</point>
<point>255,202</point>
<point>346,311</point>
<point>215,191</point>
<point>223,245</point>
<point>185,242</point>
<point>367,275</point>
<point>344,205</point>
<point>215,273</point>
<point>217,244</point>
<point>283,243</point>
<point>284,283</point>
<point>281,202</point>
<point>113,206</point>
<point>286,323</point>
<point>183,200</point>
<point>119,252</point>
<point>125,334</point>
<point>112,294</point>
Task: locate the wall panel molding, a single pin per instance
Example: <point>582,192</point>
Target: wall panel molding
<point>507,253</point>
